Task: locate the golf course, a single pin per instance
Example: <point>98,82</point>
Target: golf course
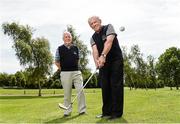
<point>140,106</point>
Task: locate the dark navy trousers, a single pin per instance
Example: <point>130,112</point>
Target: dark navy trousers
<point>111,78</point>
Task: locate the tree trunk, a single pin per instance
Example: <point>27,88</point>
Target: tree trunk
<point>177,88</point>
<point>39,88</point>
<point>155,84</point>
<point>176,83</point>
<point>145,83</point>
<point>54,92</point>
<point>170,88</point>
<point>24,90</point>
<point>130,88</point>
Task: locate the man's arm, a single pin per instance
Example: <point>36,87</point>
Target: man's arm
<point>110,33</point>
<point>95,55</point>
<point>108,44</point>
<point>107,47</point>
<point>57,60</point>
<point>58,65</point>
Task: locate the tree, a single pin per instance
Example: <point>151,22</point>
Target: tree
<point>128,70</point>
<point>20,79</point>
<point>168,67</point>
<point>42,60</point>
<point>21,36</point>
<point>4,79</point>
<point>55,77</point>
<point>152,74</point>
<point>32,53</point>
<point>13,81</point>
<point>140,66</point>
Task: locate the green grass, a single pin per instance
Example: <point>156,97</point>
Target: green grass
<point>140,106</point>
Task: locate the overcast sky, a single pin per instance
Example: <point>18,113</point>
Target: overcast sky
<point>152,24</point>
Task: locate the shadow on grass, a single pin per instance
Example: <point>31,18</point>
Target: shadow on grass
<point>30,97</point>
<point>62,119</point>
<point>119,120</point>
<point>103,120</point>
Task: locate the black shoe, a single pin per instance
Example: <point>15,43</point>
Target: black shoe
<point>66,115</point>
<point>102,116</point>
<point>114,117</point>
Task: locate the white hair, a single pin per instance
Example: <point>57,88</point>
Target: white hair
<point>94,17</point>
<point>66,32</point>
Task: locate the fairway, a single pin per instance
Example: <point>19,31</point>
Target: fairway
<point>140,106</point>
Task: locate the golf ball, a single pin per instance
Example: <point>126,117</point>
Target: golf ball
<point>122,28</point>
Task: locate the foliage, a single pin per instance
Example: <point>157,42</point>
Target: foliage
<point>21,36</point>
<point>20,79</point>
<point>35,56</point>
<point>32,53</point>
<point>168,67</point>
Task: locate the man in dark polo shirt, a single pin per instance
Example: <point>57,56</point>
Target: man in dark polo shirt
<point>67,59</point>
<point>108,58</point>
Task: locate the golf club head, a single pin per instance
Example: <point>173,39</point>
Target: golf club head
<point>62,106</point>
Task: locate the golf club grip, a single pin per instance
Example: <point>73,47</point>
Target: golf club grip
<point>84,86</point>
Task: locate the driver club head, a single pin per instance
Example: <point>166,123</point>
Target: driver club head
<point>62,106</point>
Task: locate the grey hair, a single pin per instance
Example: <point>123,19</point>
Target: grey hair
<point>93,17</point>
<point>66,32</point>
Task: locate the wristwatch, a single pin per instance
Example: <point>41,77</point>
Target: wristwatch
<point>104,55</point>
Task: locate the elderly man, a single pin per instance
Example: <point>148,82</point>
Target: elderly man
<point>67,59</point>
<point>108,57</point>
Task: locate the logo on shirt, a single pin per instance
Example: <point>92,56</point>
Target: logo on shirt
<point>74,53</point>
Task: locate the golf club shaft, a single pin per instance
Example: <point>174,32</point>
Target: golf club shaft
<point>83,87</point>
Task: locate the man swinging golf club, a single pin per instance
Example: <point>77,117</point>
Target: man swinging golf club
<point>67,59</point>
<point>108,58</point>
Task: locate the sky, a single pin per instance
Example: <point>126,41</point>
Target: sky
<point>154,25</point>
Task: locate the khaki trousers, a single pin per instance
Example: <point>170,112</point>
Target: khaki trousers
<point>68,79</point>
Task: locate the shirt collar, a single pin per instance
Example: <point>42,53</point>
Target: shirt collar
<point>68,46</point>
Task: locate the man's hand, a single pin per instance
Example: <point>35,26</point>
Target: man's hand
<point>101,61</point>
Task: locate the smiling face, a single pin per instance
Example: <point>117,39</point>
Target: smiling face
<point>95,23</point>
<point>67,38</point>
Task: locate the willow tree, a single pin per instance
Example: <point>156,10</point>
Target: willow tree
<point>152,73</point>
<point>140,66</point>
<point>129,71</point>
<point>33,54</point>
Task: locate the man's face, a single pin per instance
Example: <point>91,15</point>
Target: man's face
<point>67,38</point>
<point>95,24</point>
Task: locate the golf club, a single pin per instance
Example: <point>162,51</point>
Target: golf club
<point>62,106</point>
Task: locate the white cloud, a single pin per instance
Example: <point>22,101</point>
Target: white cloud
<point>152,24</point>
